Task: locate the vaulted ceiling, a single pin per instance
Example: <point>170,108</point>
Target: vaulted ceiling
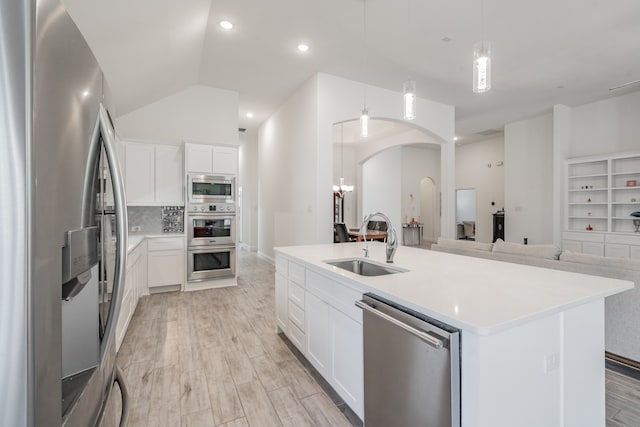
<point>544,52</point>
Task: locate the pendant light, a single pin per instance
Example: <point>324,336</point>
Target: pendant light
<point>409,87</point>
<point>481,67</point>
<point>482,60</point>
<point>364,117</point>
<point>342,189</point>
<point>364,122</point>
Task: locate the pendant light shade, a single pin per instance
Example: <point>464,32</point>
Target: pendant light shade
<point>409,89</point>
<point>364,123</point>
<point>481,67</point>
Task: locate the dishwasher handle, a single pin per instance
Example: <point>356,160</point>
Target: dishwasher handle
<point>432,341</point>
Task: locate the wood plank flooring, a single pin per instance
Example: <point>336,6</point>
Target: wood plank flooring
<point>211,358</point>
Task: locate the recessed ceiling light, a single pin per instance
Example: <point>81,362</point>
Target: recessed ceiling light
<point>446,39</point>
<point>455,138</point>
<point>226,25</point>
<point>250,115</point>
<point>85,93</point>
<point>303,47</point>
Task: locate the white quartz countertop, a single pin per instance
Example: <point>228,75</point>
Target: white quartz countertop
<point>134,240</point>
<point>473,294</point>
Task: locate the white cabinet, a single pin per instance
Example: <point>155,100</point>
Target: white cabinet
<point>211,159</point>
<point>317,333</point>
<point>345,338</point>
<point>319,317</point>
<point>281,302</point>
<point>165,264</point>
<point>135,285</point>
<point>153,174</point>
<point>139,174</point>
<point>168,175</point>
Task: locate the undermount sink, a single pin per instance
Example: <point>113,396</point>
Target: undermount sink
<point>364,267</point>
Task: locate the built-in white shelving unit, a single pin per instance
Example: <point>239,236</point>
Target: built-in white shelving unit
<point>602,192</point>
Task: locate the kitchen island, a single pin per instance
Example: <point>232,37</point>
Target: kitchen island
<point>532,339</point>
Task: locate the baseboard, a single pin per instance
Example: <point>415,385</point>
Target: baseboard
<point>622,365</point>
<point>266,257</point>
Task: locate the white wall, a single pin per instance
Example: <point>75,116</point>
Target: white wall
<point>198,113</point>
<point>419,162</point>
<point>528,176</point>
<point>287,175</point>
<point>472,171</point>
<point>606,127</point>
<point>248,179</point>
<point>295,159</point>
<point>382,186</point>
<point>341,99</point>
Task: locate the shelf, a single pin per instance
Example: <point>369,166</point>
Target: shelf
<point>590,189</point>
<point>637,187</point>
<point>593,203</point>
<point>625,217</point>
<point>587,217</point>
<point>626,203</point>
<point>625,173</point>
<point>598,175</point>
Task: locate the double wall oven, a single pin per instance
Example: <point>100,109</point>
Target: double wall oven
<point>211,232</point>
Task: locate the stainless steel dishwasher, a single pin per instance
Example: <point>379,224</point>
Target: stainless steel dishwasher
<point>411,367</point>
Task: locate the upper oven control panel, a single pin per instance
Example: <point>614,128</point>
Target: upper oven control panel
<point>212,207</point>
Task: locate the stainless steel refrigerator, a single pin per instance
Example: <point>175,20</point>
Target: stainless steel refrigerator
<point>62,224</point>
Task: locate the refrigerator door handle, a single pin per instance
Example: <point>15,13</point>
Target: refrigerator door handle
<point>103,130</point>
<point>124,417</point>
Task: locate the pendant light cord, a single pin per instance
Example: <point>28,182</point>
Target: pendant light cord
<point>342,150</point>
<point>364,50</point>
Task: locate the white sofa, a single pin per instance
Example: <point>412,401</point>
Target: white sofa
<point>622,311</point>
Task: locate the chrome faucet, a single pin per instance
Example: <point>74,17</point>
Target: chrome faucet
<point>392,241</point>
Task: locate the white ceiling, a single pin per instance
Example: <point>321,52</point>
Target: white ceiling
<point>544,52</point>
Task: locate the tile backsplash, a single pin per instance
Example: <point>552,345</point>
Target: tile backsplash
<point>148,218</point>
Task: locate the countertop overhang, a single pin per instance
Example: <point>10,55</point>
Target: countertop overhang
<point>473,294</point>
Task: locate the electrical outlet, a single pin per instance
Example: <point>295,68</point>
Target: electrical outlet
<point>551,362</point>
<point>135,228</point>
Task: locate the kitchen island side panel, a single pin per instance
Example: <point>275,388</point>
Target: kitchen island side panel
<point>549,372</point>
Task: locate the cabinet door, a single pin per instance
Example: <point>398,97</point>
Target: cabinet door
<point>617,251</point>
<point>164,268</point>
<point>169,176</point>
<point>281,302</point>
<point>139,174</point>
<point>571,245</point>
<point>225,161</point>
<point>317,333</point>
<point>346,359</point>
<point>199,158</point>
<point>593,248</point>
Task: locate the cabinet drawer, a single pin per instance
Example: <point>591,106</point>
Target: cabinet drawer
<point>571,245</point>
<point>583,237</point>
<point>296,294</point>
<point>296,273</point>
<point>296,315</point>
<point>165,244</point>
<point>296,336</point>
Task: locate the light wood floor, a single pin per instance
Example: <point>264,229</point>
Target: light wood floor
<point>211,358</point>
<point>623,400</point>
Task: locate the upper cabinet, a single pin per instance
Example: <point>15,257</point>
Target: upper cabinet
<point>153,174</point>
<point>211,159</point>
